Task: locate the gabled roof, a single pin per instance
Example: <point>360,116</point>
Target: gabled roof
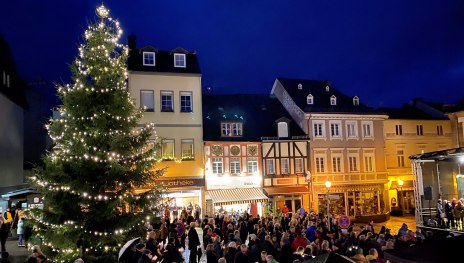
<point>164,60</point>
<point>321,94</point>
<point>417,109</point>
<point>257,112</point>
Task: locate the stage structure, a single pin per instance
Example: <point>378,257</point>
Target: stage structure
<point>437,175</point>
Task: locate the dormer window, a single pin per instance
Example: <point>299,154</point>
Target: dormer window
<point>327,88</point>
<point>300,86</point>
<point>355,101</point>
<point>310,99</point>
<point>149,59</point>
<point>333,100</point>
<point>282,129</point>
<point>179,60</point>
<point>231,129</point>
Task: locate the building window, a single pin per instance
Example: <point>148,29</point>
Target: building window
<point>439,130</point>
<point>319,130</point>
<point>179,60</point>
<point>185,101</point>
<point>270,166</point>
<point>168,149</point>
<point>310,99</point>
<point>187,149</point>
<point>400,158</point>
<point>320,164</point>
<point>282,129</point>
<point>235,165</point>
<point>299,168</point>
<point>368,163</point>
<point>284,166</point>
<point>368,131</point>
<point>217,165</point>
<point>399,129</point>
<point>230,129</point>
<point>353,163</point>
<point>147,100</point>
<point>351,130</point>
<point>149,59</point>
<point>336,164</point>
<point>335,129</point>
<point>333,100</point>
<point>355,101</point>
<point>167,101</point>
<point>419,130</point>
<point>252,164</point>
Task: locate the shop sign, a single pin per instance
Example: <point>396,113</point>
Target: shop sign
<point>334,197</point>
<point>173,183</point>
<point>232,182</point>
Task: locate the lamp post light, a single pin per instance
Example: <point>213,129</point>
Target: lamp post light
<point>328,184</point>
<point>400,183</point>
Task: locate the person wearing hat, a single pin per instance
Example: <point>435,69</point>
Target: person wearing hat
<point>139,249</point>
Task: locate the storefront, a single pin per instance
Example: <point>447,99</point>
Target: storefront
<point>234,195</point>
<point>290,196</point>
<point>356,201</point>
<point>182,192</point>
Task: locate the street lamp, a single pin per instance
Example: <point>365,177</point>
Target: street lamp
<point>400,183</point>
<point>328,184</point>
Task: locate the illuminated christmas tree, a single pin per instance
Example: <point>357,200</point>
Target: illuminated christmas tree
<point>99,181</point>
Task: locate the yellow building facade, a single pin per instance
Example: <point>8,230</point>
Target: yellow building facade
<point>405,136</point>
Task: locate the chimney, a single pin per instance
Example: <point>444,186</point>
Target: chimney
<point>131,39</point>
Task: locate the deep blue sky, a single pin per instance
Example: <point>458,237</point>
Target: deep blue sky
<point>385,52</point>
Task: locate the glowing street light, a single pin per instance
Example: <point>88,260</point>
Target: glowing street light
<point>400,183</point>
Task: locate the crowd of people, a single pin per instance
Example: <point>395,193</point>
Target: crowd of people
<point>291,238</point>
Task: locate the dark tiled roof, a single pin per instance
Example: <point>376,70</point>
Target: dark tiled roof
<point>317,88</point>
<point>258,112</point>
<point>409,113</point>
<point>164,60</point>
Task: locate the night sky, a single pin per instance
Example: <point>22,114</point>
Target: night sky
<point>385,52</point>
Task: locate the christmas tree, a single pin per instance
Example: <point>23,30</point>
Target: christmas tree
<point>99,181</point>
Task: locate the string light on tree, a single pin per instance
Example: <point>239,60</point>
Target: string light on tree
<point>99,181</point>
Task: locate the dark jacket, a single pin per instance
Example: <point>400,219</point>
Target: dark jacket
<point>230,255</point>
<point>193,239</point>
<point>211,257</point>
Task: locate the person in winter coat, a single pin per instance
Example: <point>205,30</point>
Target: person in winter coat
<point>20,232</point>
<point>193,243</point>
<point>146,257</point>
<point>171,254</point>
<point>243,256</point>
<point>231,251</point>
<point>210,256</point>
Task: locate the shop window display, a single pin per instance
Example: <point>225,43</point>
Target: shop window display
<point>336,205</point>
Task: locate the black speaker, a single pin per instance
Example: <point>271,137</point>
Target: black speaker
<point>428,193</point>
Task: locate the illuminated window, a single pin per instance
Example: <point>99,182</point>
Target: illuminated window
<point>149,59</point>
<point>217,165</point>
<point>369,163</point>
<point>147,100</point>
<point>235,165</point>
<point>168,149</point>
<point>320,164</point>
<point>299,168</point>
<point>187,149</point>
<point>252,164</point>
<point>367,128</point>
<point>336,164</point>
<point>353,163</point>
